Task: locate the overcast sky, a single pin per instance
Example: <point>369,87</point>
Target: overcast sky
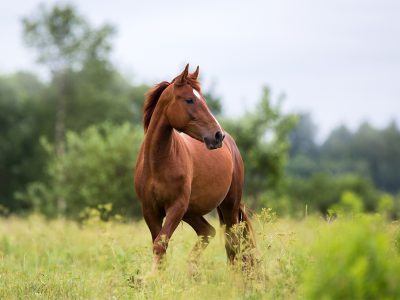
<point>339,60</point>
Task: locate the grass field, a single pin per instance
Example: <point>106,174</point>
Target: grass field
<point>350,258</point>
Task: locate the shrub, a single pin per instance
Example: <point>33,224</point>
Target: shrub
<point>321,191</point>
<point>386,205</point>
<point>96,169</point>
<point>350,203</point>
<point>353,260</point>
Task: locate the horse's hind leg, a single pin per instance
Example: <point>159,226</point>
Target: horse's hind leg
<point>228,218</point>
<point>232,212</point>
<point>203,230</point>
<point>241,240</point>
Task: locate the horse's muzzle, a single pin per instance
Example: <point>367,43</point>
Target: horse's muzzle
<point>214,142</point>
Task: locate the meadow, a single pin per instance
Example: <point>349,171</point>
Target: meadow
<point>72,126</point>
<point>354,257</point>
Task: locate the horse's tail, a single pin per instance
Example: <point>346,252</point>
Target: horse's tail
<point>249,255</point>
<point>248,232</point>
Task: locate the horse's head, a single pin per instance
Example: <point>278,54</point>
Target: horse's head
<point>187,111</point>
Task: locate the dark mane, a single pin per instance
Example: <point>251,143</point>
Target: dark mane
<point>152,97</point>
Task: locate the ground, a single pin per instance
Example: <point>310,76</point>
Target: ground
<point>62,259</point>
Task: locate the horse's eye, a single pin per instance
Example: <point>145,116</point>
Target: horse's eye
<point>189,101</point>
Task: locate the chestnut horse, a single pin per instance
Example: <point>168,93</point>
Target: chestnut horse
<point>180,178</point>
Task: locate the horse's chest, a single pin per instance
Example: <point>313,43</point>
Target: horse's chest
<point>165,188</point>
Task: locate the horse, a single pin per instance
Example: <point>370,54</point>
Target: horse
<point>187,167</point>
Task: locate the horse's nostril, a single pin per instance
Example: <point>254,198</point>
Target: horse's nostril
<point>219,136</point>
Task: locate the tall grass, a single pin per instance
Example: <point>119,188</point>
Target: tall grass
<point>107,260</point>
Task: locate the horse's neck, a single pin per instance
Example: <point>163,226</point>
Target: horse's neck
<point>159,141</point>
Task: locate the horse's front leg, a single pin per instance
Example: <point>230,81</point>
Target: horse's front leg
<point>174,214</point>
<point>154,220</point>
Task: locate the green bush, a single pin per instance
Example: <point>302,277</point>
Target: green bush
<point>353,260</point>
<point>350,203</point>
<point>321,191</point>
<point>97,169</point>
<point>281,204</point>
<point>386,205</point>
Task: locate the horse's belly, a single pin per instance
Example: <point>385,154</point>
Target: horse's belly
<point>202,205</point>
<point>212,177</point>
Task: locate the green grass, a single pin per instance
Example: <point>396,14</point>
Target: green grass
<point>63,260</point>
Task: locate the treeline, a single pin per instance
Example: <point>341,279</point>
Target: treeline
<point>368,151</point>
<point>365,162</point>
<point>68,146</point>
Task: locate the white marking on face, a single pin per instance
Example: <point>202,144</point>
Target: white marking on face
<point>220,128</point>
<point>196,93</point>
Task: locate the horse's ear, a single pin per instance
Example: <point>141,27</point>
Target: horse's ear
<point>195,74</point>
<point>183,76</point>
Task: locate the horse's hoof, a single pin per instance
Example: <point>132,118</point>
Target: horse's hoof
<point>193,270</point>
<point>137,282</point>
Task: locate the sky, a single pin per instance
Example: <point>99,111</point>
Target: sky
<point>338,60</point>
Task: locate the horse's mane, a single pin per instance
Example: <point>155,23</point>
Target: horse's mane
<point>154,94</point>
<point>152,97</point>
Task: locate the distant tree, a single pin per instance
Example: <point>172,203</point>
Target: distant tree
<point>23,113</point>
<point>105,157</point>
<point>263,139</point>
<point>302,137</point>
<point>368,152</point>
<point>381,150</point>
<point>303,148</point>
<point>213,102</point>
<point>321,191</point>
<point>137,96</point>
<point>337,144</point>
<point>65,42</point>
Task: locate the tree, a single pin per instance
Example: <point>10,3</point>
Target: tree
<point>381,150</point>
<point>22,120</point>
<point>263,139</point>
<point>213,102</point>
<point>105,157</point>
<point>302,137</point>
<point>65,42</point>
<point>338,143</point>
<point>304,151</point>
